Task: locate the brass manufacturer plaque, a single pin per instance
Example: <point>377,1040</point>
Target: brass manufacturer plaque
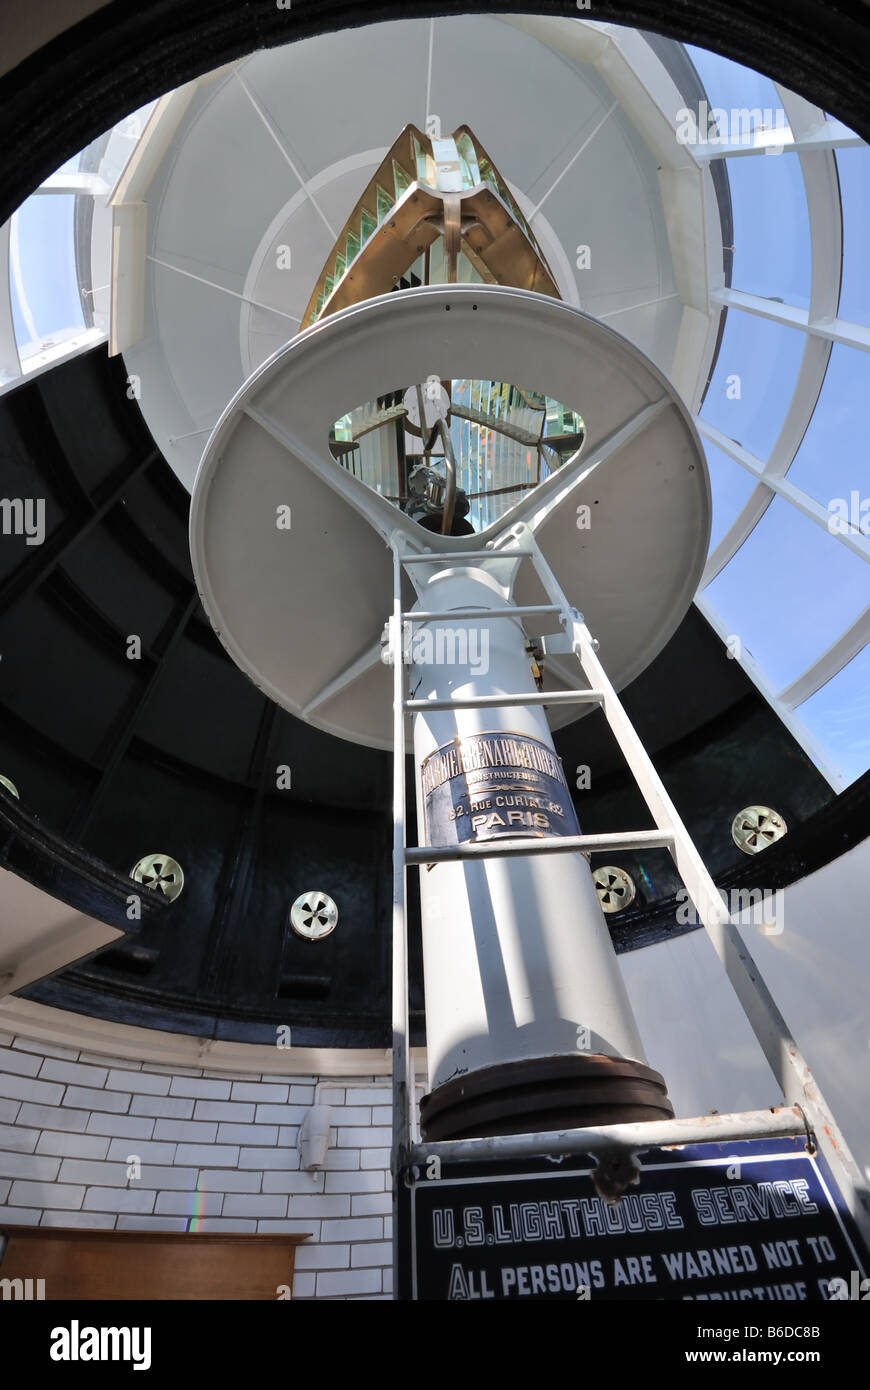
<point>484,786</point>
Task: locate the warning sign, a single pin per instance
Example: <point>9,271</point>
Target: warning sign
<point>747,1221</point>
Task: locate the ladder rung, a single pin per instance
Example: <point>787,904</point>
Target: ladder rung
<point>633,1137</point>
<point>430,559</point>
<point>484,614</point>
<point>538,697</point>
<point>565,844</point>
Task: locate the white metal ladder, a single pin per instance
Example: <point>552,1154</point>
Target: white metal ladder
<point>806,1111</point>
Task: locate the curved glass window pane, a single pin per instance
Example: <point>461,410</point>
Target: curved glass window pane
<point>22,320</point>
<point>772,254</point>
<point>755,377</point>
<point>833,458</point>
<point>731,487</point>
<point>838,716</point>
<point>44,289</point>
<point>732,86</point>
<point>853,166</point>
<point>789,592</point>
<point>46,305</point>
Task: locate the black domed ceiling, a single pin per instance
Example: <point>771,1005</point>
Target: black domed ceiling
<point>118,754</point>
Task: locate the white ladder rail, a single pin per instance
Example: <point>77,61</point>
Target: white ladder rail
<point>539,697</point>
<point>509,848</point>
<point>532,610</point>
<point>403,1086</point>
<point>605,1140</point>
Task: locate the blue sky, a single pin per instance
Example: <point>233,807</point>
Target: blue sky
<point>48,272</point>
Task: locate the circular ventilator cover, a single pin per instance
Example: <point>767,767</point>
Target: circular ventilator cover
<point>161,873</point>
<point>756,827</point>
<point>291,551</point>
<point>614,886</point>
<point>314,915</point>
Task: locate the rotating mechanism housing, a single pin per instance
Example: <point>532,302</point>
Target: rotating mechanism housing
<point>301,608</point>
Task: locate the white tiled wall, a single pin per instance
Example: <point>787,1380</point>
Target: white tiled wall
<point>217,1152</point>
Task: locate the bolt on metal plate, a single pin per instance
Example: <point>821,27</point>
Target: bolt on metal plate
<point>159,872</point>
<point>756,827</point>
<point>615,888</point>
<point>314,915</point>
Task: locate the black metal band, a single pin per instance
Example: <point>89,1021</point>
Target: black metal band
<point>544,1094</point>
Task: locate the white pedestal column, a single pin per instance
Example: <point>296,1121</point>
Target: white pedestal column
<point>518,962</point>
